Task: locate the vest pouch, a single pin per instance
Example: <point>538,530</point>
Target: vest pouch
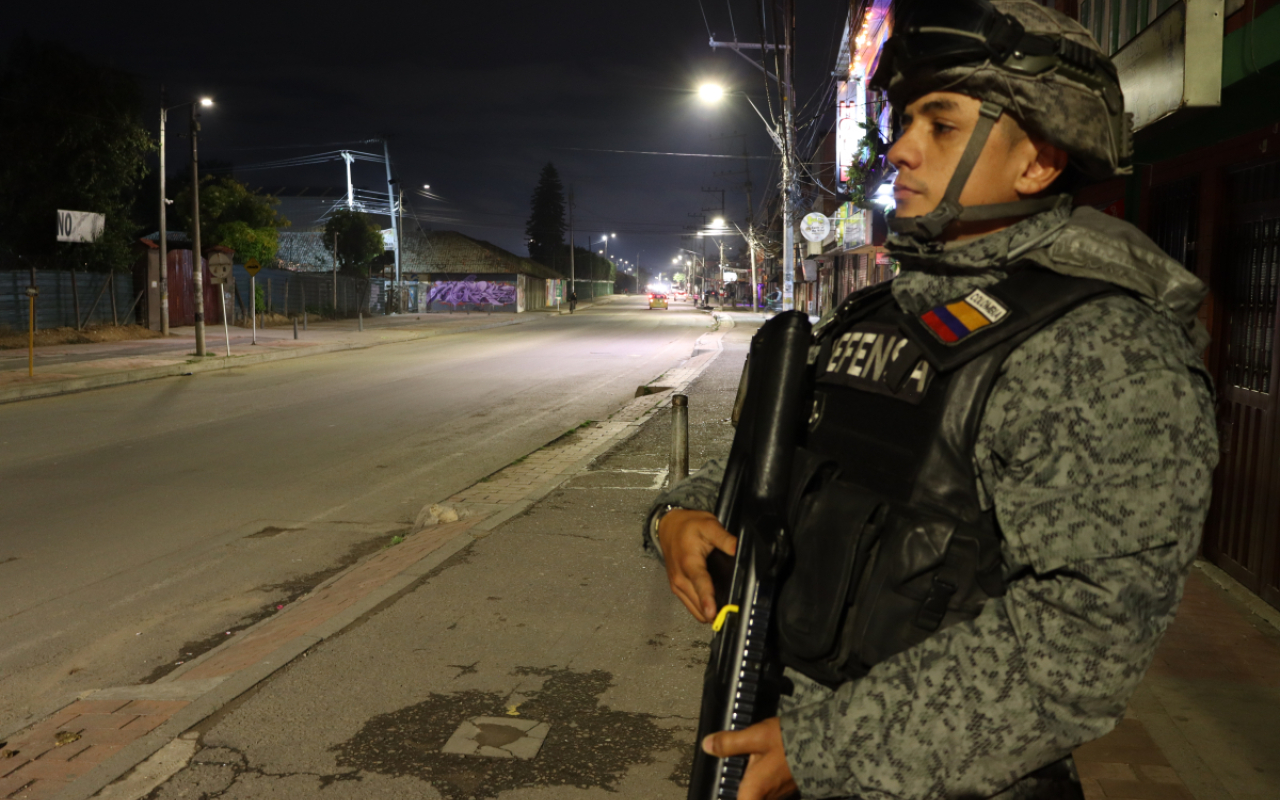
<point>929,572</point>
<point>834,526</point>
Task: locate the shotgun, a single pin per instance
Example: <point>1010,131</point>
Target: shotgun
<point>741,683</point>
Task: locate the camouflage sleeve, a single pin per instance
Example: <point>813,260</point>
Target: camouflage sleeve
<point>698,492</point>
<point>1096,451</point>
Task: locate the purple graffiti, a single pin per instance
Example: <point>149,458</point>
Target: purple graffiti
<point>472,291</point>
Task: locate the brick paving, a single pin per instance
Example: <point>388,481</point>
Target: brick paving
<point>34,765</point>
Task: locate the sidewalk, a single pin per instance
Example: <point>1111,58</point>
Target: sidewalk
<point>72,368</point>
<point>531,651</point>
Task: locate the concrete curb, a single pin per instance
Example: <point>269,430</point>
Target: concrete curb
<point>15,394</point>
<point>226,690</point>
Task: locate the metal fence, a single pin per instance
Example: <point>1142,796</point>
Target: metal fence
<point>287,292</point>
<point>68,299</point>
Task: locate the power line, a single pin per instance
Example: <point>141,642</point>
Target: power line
<point>654,153</point>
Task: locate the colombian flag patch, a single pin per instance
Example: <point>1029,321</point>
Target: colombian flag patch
<point>954,321</point>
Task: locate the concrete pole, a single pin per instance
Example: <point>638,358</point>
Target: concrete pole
<point>164,235</point>
<point>391,212</point>
<point>679,468</point>
<point>572,277</point>
<point>197,273</point>
<point>788,223</point>
<point>335,273</point>
<point>351,195</point>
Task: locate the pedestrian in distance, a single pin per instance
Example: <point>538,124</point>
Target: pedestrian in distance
<point>573,300</point>
<point>1007,463</point>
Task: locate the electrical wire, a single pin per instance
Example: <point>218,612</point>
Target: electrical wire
<point>710,35</point>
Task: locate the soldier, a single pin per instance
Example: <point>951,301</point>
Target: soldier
<point>1009,458</point>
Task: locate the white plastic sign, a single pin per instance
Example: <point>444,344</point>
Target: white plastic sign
<point>815,227</point>
<point>80,226</point>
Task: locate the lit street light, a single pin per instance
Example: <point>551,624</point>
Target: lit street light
<point>197,274</point>
<point>711,92</point>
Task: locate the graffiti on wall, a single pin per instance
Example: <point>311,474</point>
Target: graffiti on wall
<point>472,292</point>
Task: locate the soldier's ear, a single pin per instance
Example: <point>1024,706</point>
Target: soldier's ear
<point>1045,162</point>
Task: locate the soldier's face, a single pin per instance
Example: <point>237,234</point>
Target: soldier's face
<point>935,131</point>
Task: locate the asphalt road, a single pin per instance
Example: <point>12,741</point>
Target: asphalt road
<point>138,523</point>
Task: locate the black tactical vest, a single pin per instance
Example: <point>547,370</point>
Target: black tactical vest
<point>888,541</point>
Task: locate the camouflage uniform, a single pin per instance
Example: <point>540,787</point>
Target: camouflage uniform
<point>1096,451</point>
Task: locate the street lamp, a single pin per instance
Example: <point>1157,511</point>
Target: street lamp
<point>783,137</point>
<point>197,275</point>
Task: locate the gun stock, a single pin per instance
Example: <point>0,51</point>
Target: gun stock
<point>737,689</point>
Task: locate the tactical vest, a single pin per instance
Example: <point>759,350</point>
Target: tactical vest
<point>888,540</point>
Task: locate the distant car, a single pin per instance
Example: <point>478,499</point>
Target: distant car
<point>658,301</point>
<point>682,296</point>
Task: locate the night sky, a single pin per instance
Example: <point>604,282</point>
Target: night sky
<point>474,96</point>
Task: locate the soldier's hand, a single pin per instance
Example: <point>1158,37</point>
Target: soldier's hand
<point>767,777</point>
<point>687,538</point>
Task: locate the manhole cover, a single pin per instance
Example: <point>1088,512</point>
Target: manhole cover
<point>498,737</point>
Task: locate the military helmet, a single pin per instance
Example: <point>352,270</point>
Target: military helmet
<point>1019,57</point>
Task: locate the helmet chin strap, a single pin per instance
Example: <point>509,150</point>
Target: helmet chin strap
<point>930,226</point>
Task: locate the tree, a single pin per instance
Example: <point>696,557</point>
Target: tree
<point>546,227</point>
<point>232,215</point>
<point>72,138</point>
<point>259,244</point>
<point>359,241</point>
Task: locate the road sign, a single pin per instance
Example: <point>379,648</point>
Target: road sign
<point>251,266</point>
<point>80,226</point>
<point>220,268</point>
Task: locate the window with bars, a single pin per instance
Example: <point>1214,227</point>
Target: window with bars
<point>1114,23</point>
<point>1253,275</point>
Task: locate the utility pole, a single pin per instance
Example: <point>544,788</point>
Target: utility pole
<point>399,231</point>
<point>197,268</point>
<point>335,273</point>
<point>164,242</point>
<point>788,153</point>
<point>784,139</point>
<point>391,212</point>
<point>572,276</point>
<point>351,192</point>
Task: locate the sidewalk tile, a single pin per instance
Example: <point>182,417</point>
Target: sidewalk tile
<point>96,706</point>
<point>10,785</point>
<point>166,707</point>
<point>56,770</point>
<point>67,751</point>
<point>116,738</point>
<point>100,721</point>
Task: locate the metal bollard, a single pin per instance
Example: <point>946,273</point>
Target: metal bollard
<point>679,439</point>
<point>295,327</point>
<point>304,319</point>
<point>360,317</point>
